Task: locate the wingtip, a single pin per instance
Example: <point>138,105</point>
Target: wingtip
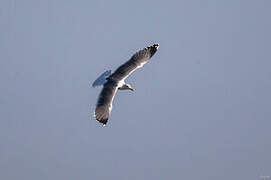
<point>156,45</point>
<point>102,121</point>
<point>153,49</point>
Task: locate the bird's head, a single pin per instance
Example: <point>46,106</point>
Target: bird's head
<point>129,87</point>
<point>126,87</point>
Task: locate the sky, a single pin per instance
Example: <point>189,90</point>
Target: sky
<point>200,109</point>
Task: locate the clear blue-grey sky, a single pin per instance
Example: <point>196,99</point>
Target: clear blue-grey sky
<point>201,106</point>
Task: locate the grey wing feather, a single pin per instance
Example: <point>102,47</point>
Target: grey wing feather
<point>136,61</point>
<point>101,79</point>
<point>104,104</point>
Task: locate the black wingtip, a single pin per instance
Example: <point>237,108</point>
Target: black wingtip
<point>156,45</point>
<point>153,48</point>
<point>102,121</point>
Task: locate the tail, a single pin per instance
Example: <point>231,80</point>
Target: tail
<point>101,79</point>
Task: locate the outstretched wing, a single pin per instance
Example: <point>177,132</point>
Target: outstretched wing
<point>104,104</point>
<point>101,79</point>
<point>136,61</point>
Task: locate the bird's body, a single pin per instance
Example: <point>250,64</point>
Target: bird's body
<point>113,82</point>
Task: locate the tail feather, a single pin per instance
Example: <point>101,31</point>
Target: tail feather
<point>101,79</point>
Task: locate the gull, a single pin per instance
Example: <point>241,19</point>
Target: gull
<point>115,81</point>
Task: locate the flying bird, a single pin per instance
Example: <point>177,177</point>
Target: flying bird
<point>113,82</point>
